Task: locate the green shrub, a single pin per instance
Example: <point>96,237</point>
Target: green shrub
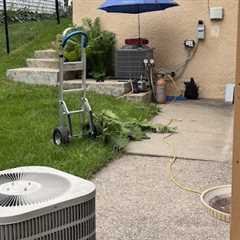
<point>100,48</point>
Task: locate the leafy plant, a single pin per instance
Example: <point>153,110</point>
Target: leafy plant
<point>99,51</point>
<point>112,130</point>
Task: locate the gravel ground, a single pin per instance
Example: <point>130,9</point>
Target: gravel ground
<point>137,201</point>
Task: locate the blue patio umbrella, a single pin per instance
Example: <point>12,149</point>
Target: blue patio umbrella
<point>136,7</point>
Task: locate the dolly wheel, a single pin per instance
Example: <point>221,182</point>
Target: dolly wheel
<point>61,136</point>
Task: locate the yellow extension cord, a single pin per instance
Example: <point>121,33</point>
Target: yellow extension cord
<point>171,174</point>
<point>215,213</point>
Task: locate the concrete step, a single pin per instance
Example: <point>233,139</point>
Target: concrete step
<point>46,54</point>
<point>73,90</point>
<point>108,87</point>
<point>42,63</point>
<point>49,76</point>
<point>72,84</point>
<point>43,76</point>
<point>144,97</point>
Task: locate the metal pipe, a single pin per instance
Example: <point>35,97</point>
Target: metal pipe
<point>139,27</point>
<point>57,11</point>
<point>6,26</point>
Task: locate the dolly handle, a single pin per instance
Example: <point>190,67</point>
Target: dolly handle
<point>84,41</point>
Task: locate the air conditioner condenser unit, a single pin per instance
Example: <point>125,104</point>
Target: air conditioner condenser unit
<point>129,62</point>
<point>41,203</point>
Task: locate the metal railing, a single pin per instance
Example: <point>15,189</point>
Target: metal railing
<point>22,14</point>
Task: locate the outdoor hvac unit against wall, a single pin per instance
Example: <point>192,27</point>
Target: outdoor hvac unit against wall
<point>40,203</point>
<point>129,62</point>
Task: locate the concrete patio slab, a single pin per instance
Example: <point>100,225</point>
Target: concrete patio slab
<point>144,97</point>
<point>137,201</point>
<point>204,132</point>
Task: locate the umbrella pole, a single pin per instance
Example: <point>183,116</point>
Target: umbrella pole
<point>139,27</point>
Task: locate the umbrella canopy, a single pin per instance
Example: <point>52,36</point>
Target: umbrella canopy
<point>136,7</point>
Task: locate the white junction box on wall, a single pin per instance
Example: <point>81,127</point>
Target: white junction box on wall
<point>229,92</point>
<point>216,13</point>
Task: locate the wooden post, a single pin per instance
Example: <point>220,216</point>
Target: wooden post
<point>235,219</point>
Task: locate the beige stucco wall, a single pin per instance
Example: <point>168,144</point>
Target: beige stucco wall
<point>214,63</point>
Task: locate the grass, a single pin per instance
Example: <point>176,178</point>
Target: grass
<point>29,113</point>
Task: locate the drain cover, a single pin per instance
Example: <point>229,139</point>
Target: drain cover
<point>218,202</point>
<point>221,203</point>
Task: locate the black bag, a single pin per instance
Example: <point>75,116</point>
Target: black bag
<point>191,89</point>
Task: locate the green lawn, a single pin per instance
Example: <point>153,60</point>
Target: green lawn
<point>29,113</point>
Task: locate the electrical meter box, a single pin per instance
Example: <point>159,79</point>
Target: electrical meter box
<point>201,30</point>
<point>216,13</point>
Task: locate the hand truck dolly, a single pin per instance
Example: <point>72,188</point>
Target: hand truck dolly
<point>64,132</point>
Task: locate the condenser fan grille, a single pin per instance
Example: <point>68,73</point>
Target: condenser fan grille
<point>23,188</point>
<point>76,222</point>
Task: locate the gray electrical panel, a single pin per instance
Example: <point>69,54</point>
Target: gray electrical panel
<point>129,62</point>
<point>216,13</point>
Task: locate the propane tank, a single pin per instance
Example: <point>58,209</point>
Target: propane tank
<point>161,90</point>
